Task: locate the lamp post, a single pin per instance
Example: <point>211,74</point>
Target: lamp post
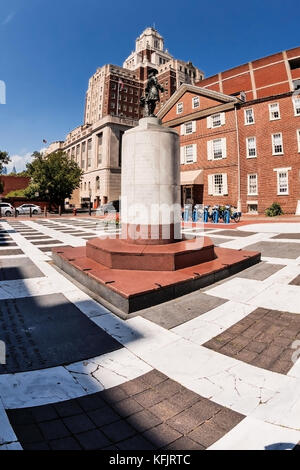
<point>90,201</point>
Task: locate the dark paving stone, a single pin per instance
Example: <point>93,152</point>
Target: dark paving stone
<point>54,429</point>
<point>264,339</point>
<point>11,252</point>
<point>38,237</point>
<point>20,268</point>
<point>135,443</point>
<point>260,272</point>
<point>217,241</point>
<point>34,329</point>
<point>46,242</point>
<point>93,440</point>
<point>85,234</point>
<point>8,243</point>
<point>181,310</point>
<point>79,423</point>
<point>292,236</point>
<point>99,425</point>
<point>234,233</point>
<point>276,250</point>
<point>118,431</point>
<point>47,249</point>
<point>67,443</point>
<point>296,281</point>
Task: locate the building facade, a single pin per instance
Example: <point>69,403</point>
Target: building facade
<point>112,105</point>
<point>241,147</point>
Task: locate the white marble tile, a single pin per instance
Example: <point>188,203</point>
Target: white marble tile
<point>108,370</point>
<point>280,227</point>
<point>27,288</point>
<point>6,431</point>
<point>86,305</point>
<point>11,446</point>
<point>137,334</point>
<point>284,275</point>
<point>238,289</point>
<point>38,387</point>
<point>278,297</point>
<point>252,434</point>
<point>210,324</point>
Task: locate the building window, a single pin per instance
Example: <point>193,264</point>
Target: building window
<point>73,153</point>
<point>218,184</point>
<point>252,184</point>
<point>252,208</point>
<point>97,183</point>
<point>100,138</point>
<point>217,149</point>
<point>189,154</point>
<point>188,128</point>
<point>251,147</point>
<point>249,116</point>
<point>274,111</point>
<point>277,144</point>
<point>89,153</point>
<point>216,120</point>
<point>179,108</point>
<point>282,182</point>
<point>112,105</point>
<point>296,101</point>
<point>195,102</point>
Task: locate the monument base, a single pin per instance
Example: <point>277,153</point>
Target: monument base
<point>101,270</point>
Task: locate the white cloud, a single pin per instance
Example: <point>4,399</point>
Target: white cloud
<point>19,161</point>
<point>8,18</point>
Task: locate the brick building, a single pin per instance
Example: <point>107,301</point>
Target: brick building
<point>240,135</point>
<point>112,106</point>
<point>13,183</point>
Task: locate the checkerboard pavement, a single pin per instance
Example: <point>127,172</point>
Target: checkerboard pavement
<point>215,369</point>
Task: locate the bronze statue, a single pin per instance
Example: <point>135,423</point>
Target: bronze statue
<point>152,94</point>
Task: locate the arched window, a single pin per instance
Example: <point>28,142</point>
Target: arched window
<point>97,183</point>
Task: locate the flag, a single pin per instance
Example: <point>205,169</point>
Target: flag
<point>121,83</point>
<point>44,141</point>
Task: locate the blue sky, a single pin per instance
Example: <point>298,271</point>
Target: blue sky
<point>50,48</point>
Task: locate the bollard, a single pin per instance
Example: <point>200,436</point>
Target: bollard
<point>227,216</point>
<point>195,215</point>
<point>59,210</point>
<point>75,212</point>
<point>30,212</point>
<point>16,213</point>
<point>45,211</point>
<point>215,216</point>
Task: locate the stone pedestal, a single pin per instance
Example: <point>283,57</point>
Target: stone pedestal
<point>150,263</point>
<point>151,211</point>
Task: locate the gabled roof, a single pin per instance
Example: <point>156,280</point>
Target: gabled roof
<point>197,91</point>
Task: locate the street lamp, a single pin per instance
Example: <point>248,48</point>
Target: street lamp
<point>90,201</point>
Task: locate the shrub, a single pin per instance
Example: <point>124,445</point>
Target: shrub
<point>273,210</point>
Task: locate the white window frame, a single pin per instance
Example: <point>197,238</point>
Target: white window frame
<point>248,148</point>
<point>273,145</point>
<point>183,154</point>
<point>179,108</point>
<point>213,125</point>
<point>255,193</point>
<point>212,185</point>
<point>296,109</point>
<point>281,171</point>
<point>193,102</point>
<point>183,128</point>
<point>245,116</point>
<point>210,149</point>
<point>272,118</point>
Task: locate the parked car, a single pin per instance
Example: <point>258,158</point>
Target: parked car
<point>6,209</point>
<point>25,209</point>
<point>111,206</point>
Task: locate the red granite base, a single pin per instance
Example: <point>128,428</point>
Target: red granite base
<point>129,290</point>
<point>121,254</point>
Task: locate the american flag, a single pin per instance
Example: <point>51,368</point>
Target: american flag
<point>44,141</point>
<point>121,84</point>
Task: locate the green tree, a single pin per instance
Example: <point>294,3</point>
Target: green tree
<point>54,177</point>
<point>4,160</point>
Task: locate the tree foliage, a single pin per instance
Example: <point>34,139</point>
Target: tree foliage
<point>54,177</point>
<point>4,159</point>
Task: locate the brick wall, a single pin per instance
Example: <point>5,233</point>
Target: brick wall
<point>13,183</point>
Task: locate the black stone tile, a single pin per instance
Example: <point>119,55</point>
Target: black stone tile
<point>91,402</point>
<point>54,429</point>
<point>68,408</point>
<point>28,433</point>
<point>118,431</point>
<point>46,242</point>
<point>35,333</point>
<point>44,413</point>
<point>260,272</point>
<point>135,443</point>
<point>49,248</point>
<point>178,311</point>
<point>12,252</point>
<point>20,268</point>
<point>79,423</point>
<point>103,416</point>
<point>67,443</point>
<point>296,281</point>
<point>291,236</point>
<point>234,233</point>
<point>276,249</point>
<point>93,440</point>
